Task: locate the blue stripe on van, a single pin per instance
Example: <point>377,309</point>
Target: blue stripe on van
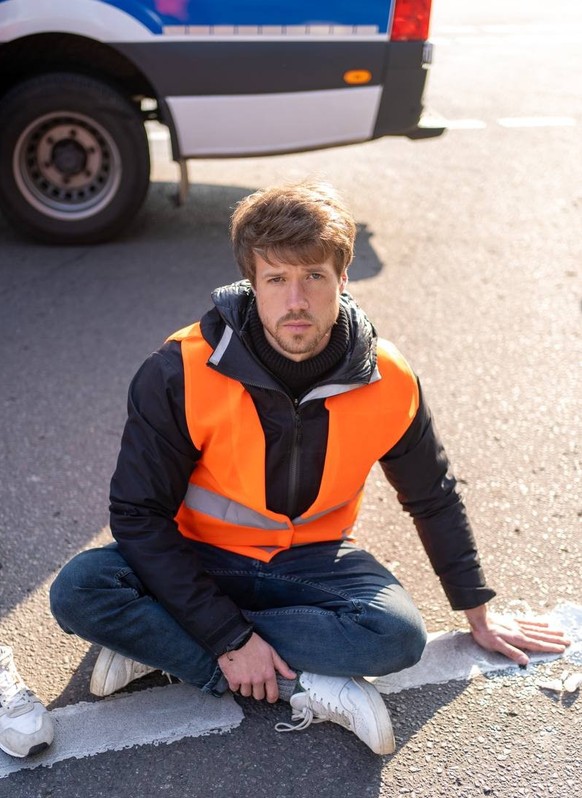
<point>155,14</point>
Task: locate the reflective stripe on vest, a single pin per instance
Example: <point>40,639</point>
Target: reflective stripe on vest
<point>224,509</point>
<point>225,504</point>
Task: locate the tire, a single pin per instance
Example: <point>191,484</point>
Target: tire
<point>74,159</point>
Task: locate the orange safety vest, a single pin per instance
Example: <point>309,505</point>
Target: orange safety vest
<point>225,503</point>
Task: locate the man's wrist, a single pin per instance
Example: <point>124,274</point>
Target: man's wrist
<point>477,617</point>
<point>240,641</point>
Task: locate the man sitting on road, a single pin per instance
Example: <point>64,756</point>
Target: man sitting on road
<point>249,438</point>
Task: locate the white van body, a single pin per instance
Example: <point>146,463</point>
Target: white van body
<point>229,78</point>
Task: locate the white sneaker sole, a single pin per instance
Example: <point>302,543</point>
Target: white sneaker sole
<point>98,684</point>
<point>110,676</point>
<point>32,743</point>
<point>386,742</point>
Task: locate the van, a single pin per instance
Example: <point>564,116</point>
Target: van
<point>228,78</point>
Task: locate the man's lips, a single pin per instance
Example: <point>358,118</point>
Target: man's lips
<point>297,325</point>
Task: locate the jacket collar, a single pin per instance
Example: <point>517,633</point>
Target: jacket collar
<point>224,329</point>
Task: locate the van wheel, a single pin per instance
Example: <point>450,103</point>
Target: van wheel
<point>74,159</point>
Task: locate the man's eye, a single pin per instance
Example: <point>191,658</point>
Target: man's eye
<point>316,276</point>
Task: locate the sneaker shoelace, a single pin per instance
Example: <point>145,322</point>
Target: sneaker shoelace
<point>11,685</point>
<point>306,717</point>
<point>20,702</point>
<point>140,669</point>
<point>13,692</point>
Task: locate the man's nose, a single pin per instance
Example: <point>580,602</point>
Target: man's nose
<point>297,296</point>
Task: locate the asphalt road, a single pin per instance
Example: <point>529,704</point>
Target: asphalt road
<point>469,258</point>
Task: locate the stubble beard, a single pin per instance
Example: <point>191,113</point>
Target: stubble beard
<point>297,344</point>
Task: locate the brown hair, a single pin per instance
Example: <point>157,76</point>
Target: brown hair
<point>305,223</point>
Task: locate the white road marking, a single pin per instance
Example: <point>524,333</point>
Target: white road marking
<point>452,656</point>
<point>168,714</point>
<point>465,124</point>
<point>537,121</point>
<point>149,717</point>
<point>511,122</point>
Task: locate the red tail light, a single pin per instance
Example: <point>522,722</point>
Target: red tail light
<point>411,20</point>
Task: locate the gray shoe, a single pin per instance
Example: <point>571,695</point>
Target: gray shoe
<point>352,703</point>
<point>113,671</point>
<point>25,725</point>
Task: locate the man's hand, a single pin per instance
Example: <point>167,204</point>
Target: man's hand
<point>514,636</point>
<point>252,669</point>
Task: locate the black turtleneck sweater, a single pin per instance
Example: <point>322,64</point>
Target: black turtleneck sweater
<point>299,376</point>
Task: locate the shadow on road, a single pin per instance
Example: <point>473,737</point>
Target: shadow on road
<point>77,689</point>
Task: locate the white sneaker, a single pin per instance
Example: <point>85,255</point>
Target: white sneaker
<point>25,725</point>
<point>353,703</point>
<point>113,671</point>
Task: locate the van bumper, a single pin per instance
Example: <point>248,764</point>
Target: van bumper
<point>401,107</point>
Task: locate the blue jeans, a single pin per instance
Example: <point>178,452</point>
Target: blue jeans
<point>327,608</point>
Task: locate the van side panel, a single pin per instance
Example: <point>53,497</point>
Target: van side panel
<point>273,123</point>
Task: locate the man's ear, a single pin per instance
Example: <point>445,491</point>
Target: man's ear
<point>343,281</point>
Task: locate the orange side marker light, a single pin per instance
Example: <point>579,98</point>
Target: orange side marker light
<point>357,77</point>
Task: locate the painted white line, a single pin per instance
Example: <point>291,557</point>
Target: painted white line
<point>159,715</point>
<point>452,656</point>
<point>168,714</point>
<point>537,121</point>
<point>465,124</point>
<point>511,122</point>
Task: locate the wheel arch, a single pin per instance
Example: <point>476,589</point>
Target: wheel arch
<point>42,53</point>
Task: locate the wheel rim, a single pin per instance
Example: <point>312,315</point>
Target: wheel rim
<point>67,166</point>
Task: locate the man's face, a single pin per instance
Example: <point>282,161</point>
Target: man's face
<point>298,305</point>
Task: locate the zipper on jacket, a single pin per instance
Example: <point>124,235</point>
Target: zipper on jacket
<point>294,469</point>
<point>293,483</point>
<point>295,459</point>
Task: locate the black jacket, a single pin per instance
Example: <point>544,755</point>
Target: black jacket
<point>157,457</point>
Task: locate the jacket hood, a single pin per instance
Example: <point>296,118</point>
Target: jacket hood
<point>232,303</point>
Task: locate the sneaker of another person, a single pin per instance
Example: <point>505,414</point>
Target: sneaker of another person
<point>25,725</point>
<point>352,702</point>
<point>113,671</point>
